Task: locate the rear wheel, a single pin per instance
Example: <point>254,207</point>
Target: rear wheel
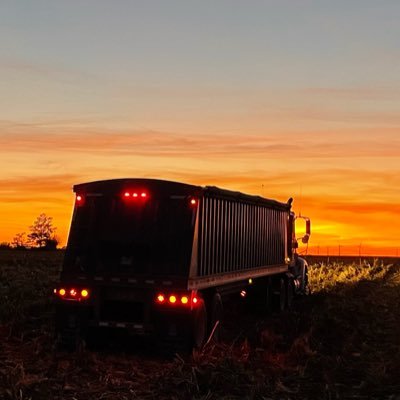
<point>279,296</point>
<point>290,289</point>
<point>172,333</point>
<point>68,328</point>
<point>68,340</point>
<point>177,333</point>
<point>216,314</point>
<point>199,328</point>
<point>269,303</point>
<point>282,295</point>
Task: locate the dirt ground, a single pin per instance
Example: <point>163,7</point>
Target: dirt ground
<point>342,342</point>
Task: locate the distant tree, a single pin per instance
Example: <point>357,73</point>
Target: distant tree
<point>19,241</point>
<point>42,233</point>
<point>5,246</point>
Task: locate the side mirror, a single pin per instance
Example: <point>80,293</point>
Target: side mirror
<point>305,238</point>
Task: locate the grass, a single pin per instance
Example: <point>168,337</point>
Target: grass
<point>26,282</point>
<point>340,342</point>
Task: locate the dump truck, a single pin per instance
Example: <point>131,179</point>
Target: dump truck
<point>161,258</point>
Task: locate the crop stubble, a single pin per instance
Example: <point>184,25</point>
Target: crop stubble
<point>340,342</point>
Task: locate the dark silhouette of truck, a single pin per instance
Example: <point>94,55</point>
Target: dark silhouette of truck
<point>160,258</point>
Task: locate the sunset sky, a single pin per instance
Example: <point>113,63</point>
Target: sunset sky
<point>283,99</point>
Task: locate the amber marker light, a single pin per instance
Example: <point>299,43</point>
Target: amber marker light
<point>172,299</point>
<point>184,300</point>
<point>250,281</point>
<point>62,292</point>
<point>85,293</point>
<point>160,298</point>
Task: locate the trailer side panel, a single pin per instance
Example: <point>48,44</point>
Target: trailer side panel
<point>237,236</point>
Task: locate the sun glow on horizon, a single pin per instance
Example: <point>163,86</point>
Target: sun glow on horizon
<point>280,99</point>
<point>342,218</point>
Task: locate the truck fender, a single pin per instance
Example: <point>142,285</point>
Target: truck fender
<point>300,272</point>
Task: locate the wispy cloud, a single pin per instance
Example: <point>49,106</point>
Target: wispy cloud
<point>354,93</point>
<point>55,72</point>
<point>26,187</point>
<point>61,138</point>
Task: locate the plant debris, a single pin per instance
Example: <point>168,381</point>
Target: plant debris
<point>340,342</point>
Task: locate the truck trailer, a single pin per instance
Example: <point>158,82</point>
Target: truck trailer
<point>160,258</point>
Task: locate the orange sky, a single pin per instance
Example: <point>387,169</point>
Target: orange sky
<point>281,99</point>
<point>348,183</point>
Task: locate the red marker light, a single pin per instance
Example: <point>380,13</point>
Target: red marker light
<point>79,199</point>
<point>127,194</point>
<point>193,202</point>
<point>73,292</point>
<point>195,300</point>
<point>143,195</point>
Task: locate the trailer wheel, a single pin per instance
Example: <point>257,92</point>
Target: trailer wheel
<point>269,294</point>
<point>289,292</point>
<point>173,334</point>
<point>282,295</point>
<point>68,332</point>
<point>199,331</point>
<point>216,317</point>
<point>70,341</point>
<point>279,297</point>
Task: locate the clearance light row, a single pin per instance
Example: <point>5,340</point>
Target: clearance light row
<point>72,293</point>
<point>135,195</point>
<point>176,299</point>
<point>131,195</point>
<point>126,195</point>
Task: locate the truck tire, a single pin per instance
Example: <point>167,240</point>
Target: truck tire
<point>173,334</point>
<point>301,274</point>
<point>282,295</point>
<point>216,315</point>
<point>68,332</point>
<point>279,296</point>
<point>290,292</point>
<point>182,333</point>
<point>269,302</point>
<point>70,340</point>
<point>199,328</point>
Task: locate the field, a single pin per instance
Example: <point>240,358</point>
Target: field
<point>342,342</point>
